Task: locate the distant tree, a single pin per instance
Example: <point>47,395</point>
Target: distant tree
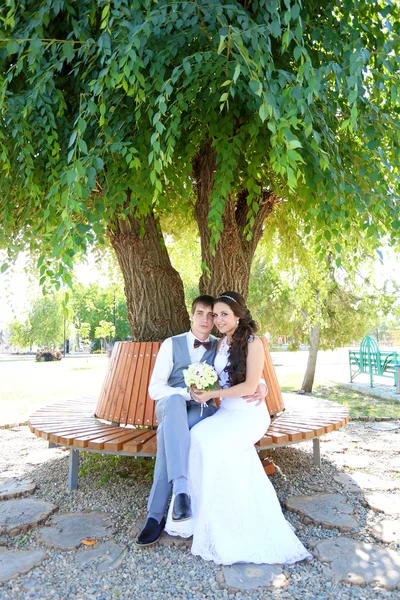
<point>44,325</point>
<point>106,332</point>
<point>20,334</point>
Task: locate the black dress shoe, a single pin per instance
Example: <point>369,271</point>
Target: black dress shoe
<point>151,532</point>
<point>182,510</point>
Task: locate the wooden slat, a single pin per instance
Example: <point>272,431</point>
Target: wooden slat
<point>116,396</point>
<point>139,357</point>
<point>149,414</point>
<point>117,444</point>
<point>82,441</point>
<point>115,368</point>
<point>274,399</point>
<point>126,435</point>
<point>137,444</point>
<point>100,409</point>
<point>73,435</point>
<point>144,385</point>
<point>131,374</point>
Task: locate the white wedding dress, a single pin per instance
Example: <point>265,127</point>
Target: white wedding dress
<point>236,513</point>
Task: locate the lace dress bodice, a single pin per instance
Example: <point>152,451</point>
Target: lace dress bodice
<point>221,360</point>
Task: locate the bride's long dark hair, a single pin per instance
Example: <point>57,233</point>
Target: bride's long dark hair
<point>246,327</point>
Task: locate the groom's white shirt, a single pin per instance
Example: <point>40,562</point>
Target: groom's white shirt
<point>159,387</point>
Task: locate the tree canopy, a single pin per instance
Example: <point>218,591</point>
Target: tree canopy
<point>117,112</point>
<point>99,97</point>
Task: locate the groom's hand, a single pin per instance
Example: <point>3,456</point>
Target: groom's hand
<point>194,394</point>
<point>259,394</point>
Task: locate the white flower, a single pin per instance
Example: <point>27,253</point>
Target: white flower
<point>202,375</point>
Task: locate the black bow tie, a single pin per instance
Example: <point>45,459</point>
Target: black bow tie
<point>197,343</point>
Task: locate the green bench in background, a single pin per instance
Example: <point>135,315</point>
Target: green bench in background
<point>371,361</point>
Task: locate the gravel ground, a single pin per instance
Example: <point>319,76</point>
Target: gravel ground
<point>172,572</point>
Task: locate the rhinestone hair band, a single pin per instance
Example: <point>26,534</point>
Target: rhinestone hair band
<point>230,297</point>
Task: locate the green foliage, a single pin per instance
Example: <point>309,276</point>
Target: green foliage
<point>90,304</point>
<point>20,334</point>
<point>44,325</point>
<point>48,355</point>
<point>97,98</point>
<point>106,331</point>
<point>289,303</point>
<point>105,467</point>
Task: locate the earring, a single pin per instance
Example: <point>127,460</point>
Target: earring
<point>237,322</point>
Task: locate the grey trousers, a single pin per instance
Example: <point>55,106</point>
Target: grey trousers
<point>176,417</point>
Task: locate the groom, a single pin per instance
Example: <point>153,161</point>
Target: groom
<point>176,414</point>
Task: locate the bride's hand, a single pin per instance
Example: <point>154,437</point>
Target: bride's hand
<point>200,395</point>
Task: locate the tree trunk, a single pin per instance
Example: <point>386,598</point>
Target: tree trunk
<point>153,288</point>
<point>312,358</point>
<point>229,268</point>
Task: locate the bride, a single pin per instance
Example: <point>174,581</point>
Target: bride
<point>236,513</point>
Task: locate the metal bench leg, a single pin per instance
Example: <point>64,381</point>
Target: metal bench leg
<point>73,472</point>
<point>317,452</point>
<point>52,445</point>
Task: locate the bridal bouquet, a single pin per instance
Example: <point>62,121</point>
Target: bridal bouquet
<point>203,376</point>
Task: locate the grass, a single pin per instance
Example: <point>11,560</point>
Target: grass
<point>27,385</point>
<point>104,467</point>
<point>359,405</point>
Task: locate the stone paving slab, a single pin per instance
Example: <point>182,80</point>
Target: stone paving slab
<point>13,488</point>
<point>359,563</point>
<point>328,510</point>
<point>21,514</point>
<point>15,562</point>
<point>69,530</point>
<point>248,576</point>
<point>386,531</point>
<point>38,457</point>
<point>386,503</point>
<point>102,557</point>
<point>358,482</point>
<point>354,461</point>
<point>395,465</point>
<point>383,426</point>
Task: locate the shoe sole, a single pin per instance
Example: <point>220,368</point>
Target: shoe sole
<point>182,520</point>
<point>148,544</point>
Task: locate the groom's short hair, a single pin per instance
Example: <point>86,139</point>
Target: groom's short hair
<point>204,299</point>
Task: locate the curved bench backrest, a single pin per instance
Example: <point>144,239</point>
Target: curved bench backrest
<point>369,354</point>
<point>124,397</point>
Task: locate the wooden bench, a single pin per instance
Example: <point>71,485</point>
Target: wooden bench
<point>123,420</point>
<point>370,360</point>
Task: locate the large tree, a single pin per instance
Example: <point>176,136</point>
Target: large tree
<point>114,113</point>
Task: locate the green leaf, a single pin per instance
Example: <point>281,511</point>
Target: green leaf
<point>237,72</point>
<point>72,138</point>
<point>222,44</point>
<point>13,47</point>
<point>3,267</point>
<point>294,144</point>
<point>256,87</point>
<point>82,125</point>
<point>82,145</point>
<point>68,51</point>
<point>295,11</point>
<point>263,112</point>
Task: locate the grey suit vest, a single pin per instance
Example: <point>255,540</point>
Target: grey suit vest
<point>182,360</point>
